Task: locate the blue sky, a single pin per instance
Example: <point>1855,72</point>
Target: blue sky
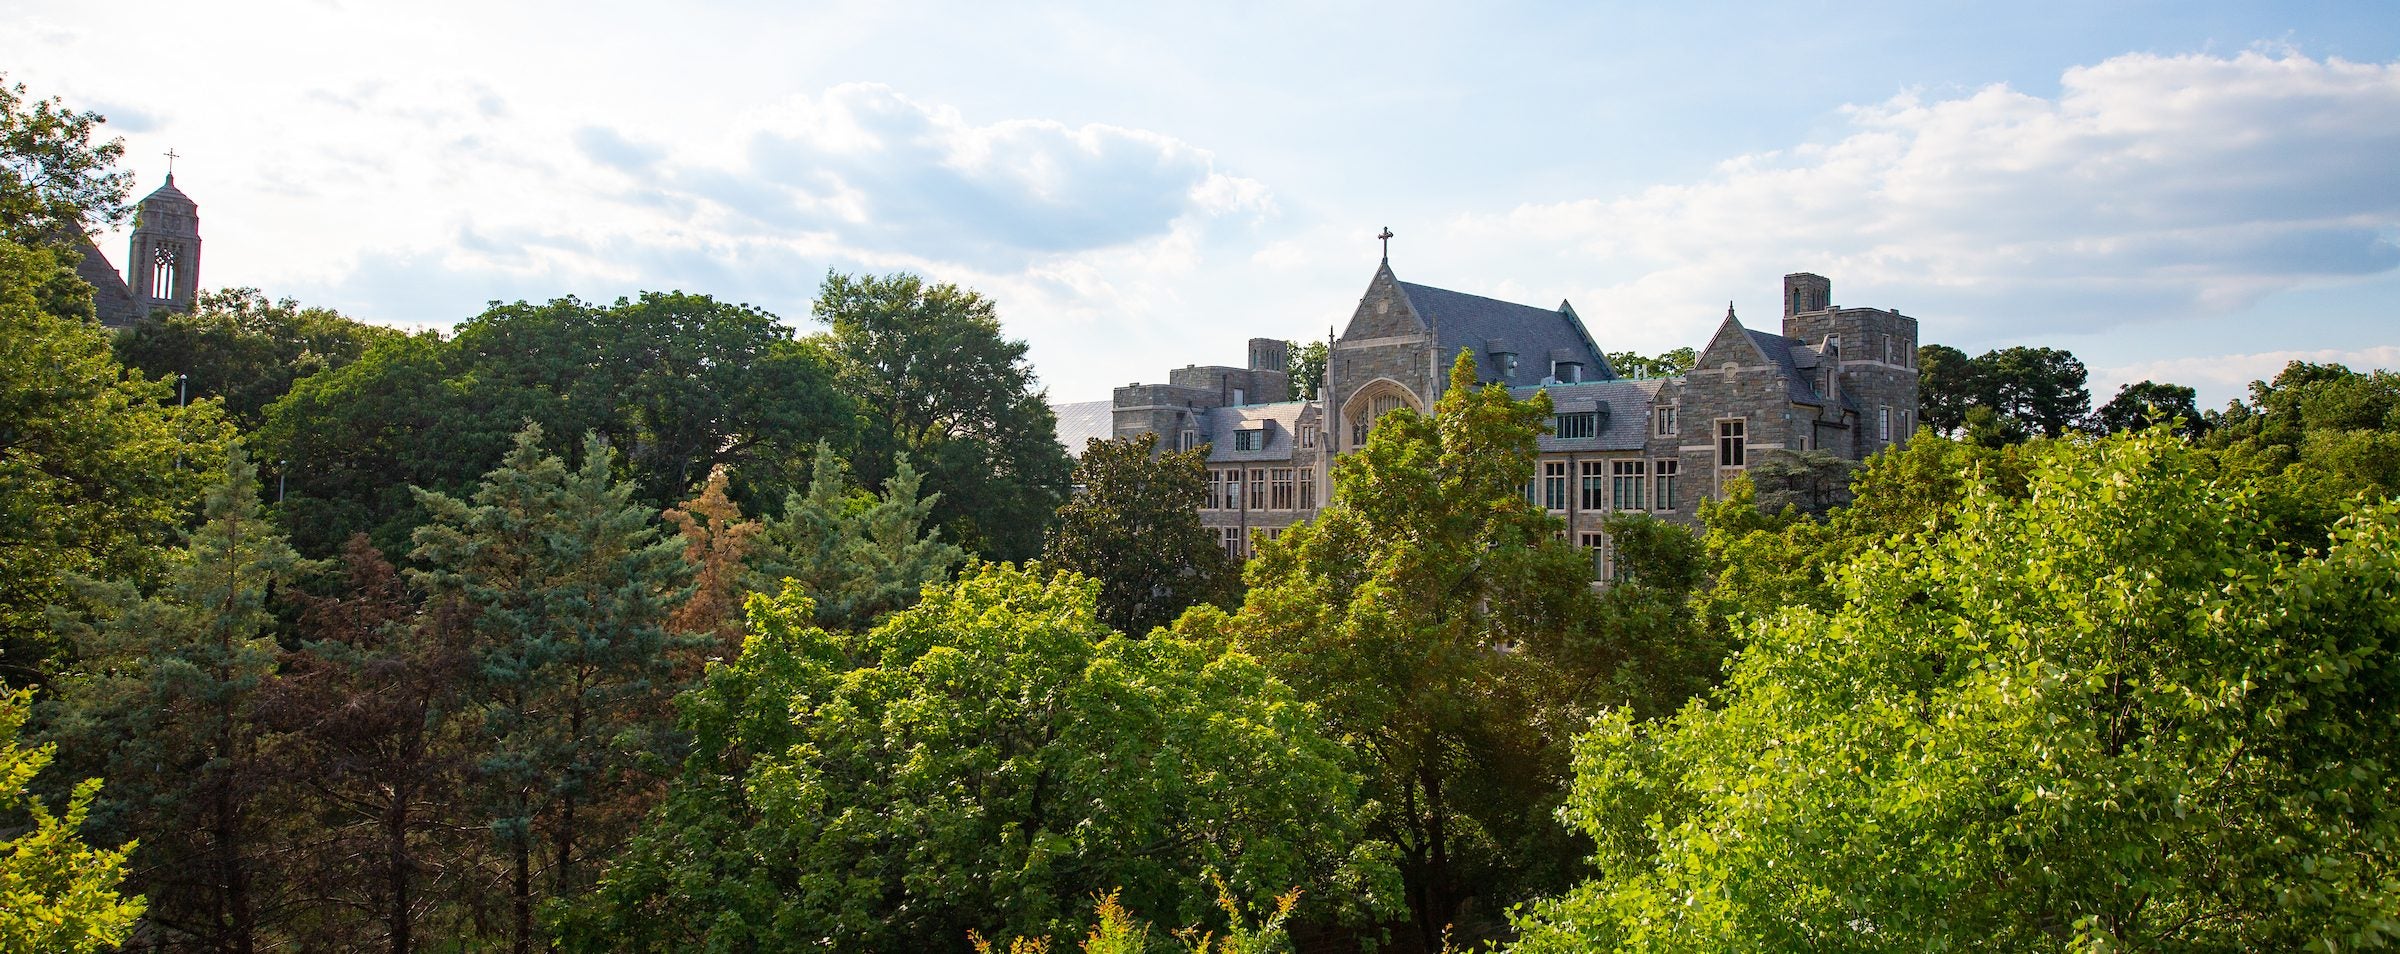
<point>2191,192</point>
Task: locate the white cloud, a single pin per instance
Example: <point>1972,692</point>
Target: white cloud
<point>2151,187</point>
<point>2229,375</point>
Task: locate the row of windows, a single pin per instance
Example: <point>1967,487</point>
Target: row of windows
<point>1248,439</point>
<point>1611,485</point>
<point>1269,488</point>
<point>1240,545</point>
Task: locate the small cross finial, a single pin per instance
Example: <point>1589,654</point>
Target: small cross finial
<point>1386,236</point>
<point>171,157</point>
<point>1729,309</point>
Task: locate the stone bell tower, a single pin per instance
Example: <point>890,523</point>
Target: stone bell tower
<point>164,266</point>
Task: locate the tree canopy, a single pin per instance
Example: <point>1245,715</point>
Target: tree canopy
<point>935,379</point>
<point>240,347</point>
<point>1134,525</point>
<point>55,182</point>
<point>989,761</point>
<point>2115,709</point>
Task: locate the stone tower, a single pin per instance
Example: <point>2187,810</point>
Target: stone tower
<point>164,270</point>
<point>1867,361</point>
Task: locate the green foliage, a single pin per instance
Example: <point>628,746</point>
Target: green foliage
<point>1134,525</point>
<point>563,585</point>
<point>1308,369</point>
<point>57,893</point>
<point>856,555</point>
<point>2026,391</point>
<point>984,761</point>
<point>98,468</point>
<point>54,181</point>
<point>1813,481</point>
<point>2110,709</point>
<point>1650,650</point>
<point>2330,430</point>
<point>1448,637</point>
<point>1674,363</point>
<point>1117,930</point>
<point>245,350</point>
<point>2146,404</point>
<point>934,379</point>
<point>682,384</point>
<point>160,701</point>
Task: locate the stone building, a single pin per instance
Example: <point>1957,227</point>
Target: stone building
<point>1841,380</point>
<point>162,264</point>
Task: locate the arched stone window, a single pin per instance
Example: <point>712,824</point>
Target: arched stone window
<point>1381,396</point>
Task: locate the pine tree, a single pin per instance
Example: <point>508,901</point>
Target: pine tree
<point>161,704</point>
<point>716,542</point>
<point>371,737</point>
<point>858,556</point>
<point>565,589</point>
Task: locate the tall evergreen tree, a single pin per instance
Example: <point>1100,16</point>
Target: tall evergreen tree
<point>370,731</point>
<point>161,702</point>
<point>857,555</point>
<point>565,588</point>
<point>717,544</point>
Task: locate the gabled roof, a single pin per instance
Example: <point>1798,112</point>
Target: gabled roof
<point>1280,420</point>
<point>1080,421</point>
<point>1628,402</point>
<point>1460,320</point>
<point>111,299</point>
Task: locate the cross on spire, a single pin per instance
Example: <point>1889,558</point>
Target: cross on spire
<point>1386,236</point>
<point>171,157</point>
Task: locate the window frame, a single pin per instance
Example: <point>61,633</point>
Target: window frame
<point>1733,443</point>
<point>1624,476</point>
<point>1553,482</point>
<point>1664,474</point>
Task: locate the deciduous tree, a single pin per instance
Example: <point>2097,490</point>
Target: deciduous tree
<point>240,347</point>
<point>935,379</point>
<point>1134,525</point>
<point>2116,710</point>
<point>57,891</point>
<point>55,182</point>
<point>988,760</point>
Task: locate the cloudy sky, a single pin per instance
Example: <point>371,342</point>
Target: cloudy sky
<point>2195,192</point>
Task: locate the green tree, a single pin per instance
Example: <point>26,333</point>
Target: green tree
<point>57,892</point>
<point>238,346</point>
<point>563,584</point>
<point>54,180</point>
<point>2114,710</point>
<point>1308,369</point>
<point>2039,388</point>
<point>1445,632</point>
<point>1674,363</point>
<point>1134,525</point>
<point>681,384</point>
<point>98,468</point>
<point>2146,404</point>
<point>1814,481</point>
<point>988,760</point>
<point>370,726</point>
<point>161,701</point>
<point>934,379</point>
<point>2330,430</point>
<point>857,556</point>
<point>1946,387</point>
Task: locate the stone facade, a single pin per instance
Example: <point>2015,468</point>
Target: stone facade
<point>163,261</point>
<point>1841,380</point>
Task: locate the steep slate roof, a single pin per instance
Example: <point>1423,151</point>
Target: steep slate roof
<point>1218,424</point>
<point>1461,320</point>
<point>1628,403</point>
<point>110,297</point>
<point>1080,421</point>
<point>1788,355</point>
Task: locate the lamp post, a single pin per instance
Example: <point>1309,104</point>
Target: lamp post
<point>280,467</point>
<point>182,389</point>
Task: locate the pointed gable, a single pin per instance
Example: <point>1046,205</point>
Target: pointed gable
<point>1384,311</point>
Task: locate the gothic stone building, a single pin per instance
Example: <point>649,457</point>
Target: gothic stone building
<point>162,266</point>
<point>1841,380</point>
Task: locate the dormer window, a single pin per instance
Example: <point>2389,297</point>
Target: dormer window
<point>1566,372</point>
<point>1250,438</point>
<point>1833,347</point>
